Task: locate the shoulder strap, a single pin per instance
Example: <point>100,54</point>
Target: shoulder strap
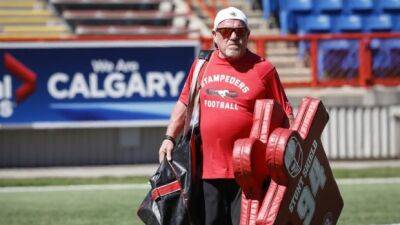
<point>192,108</point>
<point>205,54</point>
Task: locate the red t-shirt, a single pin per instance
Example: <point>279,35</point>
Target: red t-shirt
<point>227,98</point>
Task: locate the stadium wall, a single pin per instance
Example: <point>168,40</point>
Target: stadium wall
<point>353,132</point>
<point>364,122</point>
<point>77,147</point>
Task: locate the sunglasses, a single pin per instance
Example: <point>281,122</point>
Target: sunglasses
<point>226,32</point>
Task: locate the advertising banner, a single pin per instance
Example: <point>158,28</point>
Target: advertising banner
<point>93,83</point>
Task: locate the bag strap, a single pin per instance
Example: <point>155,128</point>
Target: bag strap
<point>192,110</point>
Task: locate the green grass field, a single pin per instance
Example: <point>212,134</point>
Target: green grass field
<point>364,204</point>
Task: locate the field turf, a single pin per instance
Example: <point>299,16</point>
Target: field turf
<point>364,204</point>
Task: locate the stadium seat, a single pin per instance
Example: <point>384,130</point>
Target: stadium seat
<point>381,22</point>
<point>296,5</point>
<point>269,7</point>
<point>359,6</point>
<point>385,53</point>
<point>321,6</point>
<point>290,10</point>
<point>314,24</point>
<point>338,58</point>
<point>388,5</point>
<point>347,23</point>
<point>396,23</point>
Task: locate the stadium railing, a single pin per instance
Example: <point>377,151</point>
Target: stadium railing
<point>341,59</point>
<point>331,60</point>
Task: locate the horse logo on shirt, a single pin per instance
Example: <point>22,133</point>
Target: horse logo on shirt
<point>223,93</point>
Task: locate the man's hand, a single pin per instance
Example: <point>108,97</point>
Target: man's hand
<point>166,149</point>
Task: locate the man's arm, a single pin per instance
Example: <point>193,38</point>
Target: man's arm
<point>175,126</point>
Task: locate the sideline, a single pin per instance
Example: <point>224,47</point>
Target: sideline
<point>147,170</point>
<point>143,186</point>
<point>380,180</point>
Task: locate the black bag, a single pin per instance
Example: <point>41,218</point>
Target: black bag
<point>175,186</point>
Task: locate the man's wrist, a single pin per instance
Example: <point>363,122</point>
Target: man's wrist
<point>170,138</point>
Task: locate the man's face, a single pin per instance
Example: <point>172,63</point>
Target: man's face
<point>231,38</point>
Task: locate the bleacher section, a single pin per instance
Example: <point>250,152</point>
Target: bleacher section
<point>373,15</point>
<point>29,18</point>
<point>339,58</point>
<point>125,17</point>
<point>206,11</point>
<point>283,55</point>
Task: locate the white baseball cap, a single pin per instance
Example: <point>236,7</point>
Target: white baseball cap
<point>229,13</point>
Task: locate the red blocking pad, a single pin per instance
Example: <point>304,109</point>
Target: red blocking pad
<point>302,189</point>
<point>249,156</point>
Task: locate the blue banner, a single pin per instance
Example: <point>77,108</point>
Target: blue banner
<point>75,84</point>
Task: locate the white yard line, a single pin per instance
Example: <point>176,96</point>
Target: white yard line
<point>353,181</point>
<point>387,224</point>
<point>97,187</point>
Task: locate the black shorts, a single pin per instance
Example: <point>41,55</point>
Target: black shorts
<point>222,199</point>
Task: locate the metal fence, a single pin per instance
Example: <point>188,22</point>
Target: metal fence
<point>362,132</point>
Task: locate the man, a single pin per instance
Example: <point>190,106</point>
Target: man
<point>231,82</point>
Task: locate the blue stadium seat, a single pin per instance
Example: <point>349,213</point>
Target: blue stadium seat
<point>381,22</point>
<point>312,24</point>
<point>269,7</point>
<point>385,54</point>
<point>289,12</point>
<point>315,24</point>
<point>396,23</point>
<point>359,6</point>
<point>338,58</point>
<point>388,5</point>
<point>296,5</point>
<point>347,23</point>
<point>328,5</point>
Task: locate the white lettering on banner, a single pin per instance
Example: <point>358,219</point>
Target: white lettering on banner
<point>6,87</point>
<point>80,86</point>
<point>95,92</point>
<point>136,85</point>
<point>173,83</point>
<point>52,85</point>
<point>6,106</point>
<point>157,84</point>
<point>227,79</point>
<point>127,66</point>
<point>115,85</point>
<point>102,66</point>
<point>107,66</point>
<point>314,171</point>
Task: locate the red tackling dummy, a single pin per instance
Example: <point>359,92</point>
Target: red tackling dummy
<point>301,189</point>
